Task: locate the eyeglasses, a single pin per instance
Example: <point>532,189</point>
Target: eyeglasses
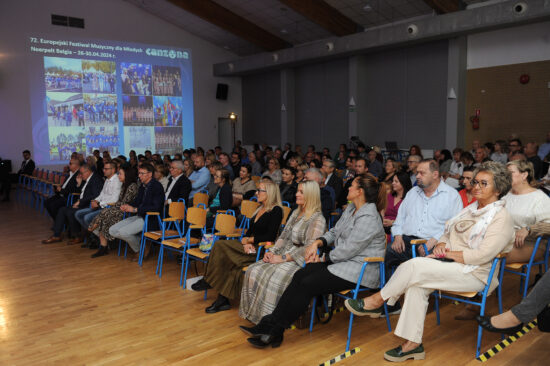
<point>143,173</point>
<point>261,190</point>
<point>411,161</point>
<point>513,145</point>
<point>482,183</point>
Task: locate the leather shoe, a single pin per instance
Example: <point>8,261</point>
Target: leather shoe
<point>257,330</point>
<point>76,240</point>
<point>101,252</point>
<point>201,285</point>
<point>134,256</point>
<point>52,239</point>
<point>266,340</point>
<point>485,322</point>
<point>221,304</point>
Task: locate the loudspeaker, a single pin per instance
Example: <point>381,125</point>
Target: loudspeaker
<point>221,91</point>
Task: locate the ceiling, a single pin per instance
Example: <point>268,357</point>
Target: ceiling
<point>247,27</point>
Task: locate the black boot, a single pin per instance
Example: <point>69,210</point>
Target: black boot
<point>201,285</point>
<point>273,339</point>
<point>101,252</point>
<point>263,327</point>
<point>221,304</point>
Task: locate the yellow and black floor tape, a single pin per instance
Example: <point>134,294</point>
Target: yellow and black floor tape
<point>508,341</point>
<point>341,357</point>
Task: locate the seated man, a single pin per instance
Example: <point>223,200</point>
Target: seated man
<point>202,178</point>
<point>359,167</point>
<point>59,199</point>
<point>375,167</point>
<point>332,179</point>
<point>466,194</point>
<point>179,185</point>
<point>109,194</point>
<point>412,164</point>
<point>422,215</point>
<point>91,185</point>
<point>150,198</point>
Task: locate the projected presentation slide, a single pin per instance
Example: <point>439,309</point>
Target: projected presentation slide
<point>110,96</point>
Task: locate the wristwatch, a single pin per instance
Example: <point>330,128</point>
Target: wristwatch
<point>528,229</point>
<point>283,257</point>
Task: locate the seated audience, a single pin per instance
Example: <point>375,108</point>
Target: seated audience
<point>273,171</point>
<point>224,271</point>
<point>27,168</point>
<point>375,167</point>
<point>500,152</point>
<point>212,187</point>
<point>360,167</point>
<point>467,159</point>
<point>358,234</point>
<point>530,152</point>
<point>288,187</point>
<point>412,164</point>
<point>242,185</point>
<point>472,239</point>
<point>109,216</point>
<point>400,185</point>
<point>530,211</point>
<point>223,199</point>
<point>390,168</point>
<point>466,194</point>
<point>266,280</point>
<point>415,150</point>
<point>150,198</point>
<point>455,171</point>
<point>201,178</point>
<point>300,172</point>
<point>514,145</point>
<point>445,160</point>
<point>179,186</point>
<point>422,215</point>
<point>109,194</point>
<point>226,163</point>
<point>62,192</point>
<point>188,168</point>
<point>348,173</point>
<point>255,164</point>
<point>90,185</point>
<point>332,179</point>
<point>161,175</point>
<point>480,156</point>
<point>544,149</point>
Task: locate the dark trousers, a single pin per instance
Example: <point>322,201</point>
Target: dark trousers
<point>535,301</point>
<point>394,259</point>
<point>313,280</point>
<point>66,214</point>
<point>54,203</point>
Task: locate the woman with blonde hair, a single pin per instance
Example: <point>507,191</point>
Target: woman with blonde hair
<point>266,280</point>
<point>224,271</point>
<point>273,171</point>
<point>530,210</point>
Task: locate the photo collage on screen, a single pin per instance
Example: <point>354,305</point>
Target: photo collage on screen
<point>152,107</point>
<point>81,106</point>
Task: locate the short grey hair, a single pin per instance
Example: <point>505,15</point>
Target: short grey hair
<point>502,179</point>
<point>418,158</point>
<point>330,162</point>
<point>319,176</point>
<point>178,164</point>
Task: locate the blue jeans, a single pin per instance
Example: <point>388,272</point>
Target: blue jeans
<point>85,216</point>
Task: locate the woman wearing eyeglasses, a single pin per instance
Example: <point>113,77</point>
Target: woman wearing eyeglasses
<point>273,171</point>
<point>472,239</point>
<point>224,271</point>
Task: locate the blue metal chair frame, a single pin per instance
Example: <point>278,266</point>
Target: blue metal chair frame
<point>526,268</point>
<point>143,238</point>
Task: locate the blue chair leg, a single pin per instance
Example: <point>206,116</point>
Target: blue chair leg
<point>387,317</point>
<point>437,309</point>
<point>125,249</point>
<point>526,281</point>
<point>350,326</point>
<point>205,294</point>
<point>182,264</point>
<point>159,261</point>
<point>313,304</point>
<point>479,335</point>
<point>141,249</point>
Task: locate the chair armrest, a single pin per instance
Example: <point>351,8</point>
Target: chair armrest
<point>152,213</point>
<point>418,241</point>
<point>111,204</point>
<point>266,245</point>
<point>373,259</point>
<point>502,255</point>
<point>75,194</point>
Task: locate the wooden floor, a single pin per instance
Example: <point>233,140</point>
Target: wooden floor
<point>59,306</point>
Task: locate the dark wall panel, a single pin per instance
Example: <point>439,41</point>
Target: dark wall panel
<point>321,94</point>
<point>261,108</point>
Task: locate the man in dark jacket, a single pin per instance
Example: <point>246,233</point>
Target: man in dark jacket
<point>150,198</point>
<point>62,192</point>
<point>179,186</point>
<point>90,185</point>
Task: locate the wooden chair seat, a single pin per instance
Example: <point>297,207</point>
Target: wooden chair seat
<point>245,268</point>
<point>178,243</point>
<point>156,235</point>
<point>516,266</point>
<point>196,252</point>
<point>463,294</point>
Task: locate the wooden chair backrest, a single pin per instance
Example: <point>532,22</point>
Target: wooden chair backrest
<point>200,198</point>
<point>63,179</point>
<point>177,210</point>
<point>248,208</point>
<point>286,212</point>
<point>225,224</point>
<point>339,173</point>
<point>196,216</point>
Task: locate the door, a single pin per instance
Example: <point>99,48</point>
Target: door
<point>225,134</point>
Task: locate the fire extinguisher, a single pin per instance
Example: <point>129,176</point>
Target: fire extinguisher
<point>475,122</point>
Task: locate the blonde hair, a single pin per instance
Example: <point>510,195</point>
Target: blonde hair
<point>273,195</point>
<point>525,167</point>
<point>312,198</point>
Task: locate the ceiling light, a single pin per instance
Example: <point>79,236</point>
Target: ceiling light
<point>284,31</point>
<point>367,7</point>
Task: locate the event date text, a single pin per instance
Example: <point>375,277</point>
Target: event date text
<point>95,54</point>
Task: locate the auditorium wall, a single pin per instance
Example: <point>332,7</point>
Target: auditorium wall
<point>104,19</point>
<point>496,60</point>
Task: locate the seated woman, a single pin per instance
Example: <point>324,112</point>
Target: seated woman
<point>273,170</point>
<point>400,185</point>
<point>111,215</point>
<point>390,168</point>
<point>288,186</point>
<point>301,172</point>
<point>224,271</point>
<point>472,239</point>
<point>265,281</point>
<point>358,234</point>
<point>530,210</point>
<point>223,199</point>
<point>161,174</point>
<point>242,184</point>
<point>188,168</point>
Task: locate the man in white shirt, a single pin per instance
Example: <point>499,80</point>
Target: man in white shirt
<point>179,185</point>
<point>109,194</point>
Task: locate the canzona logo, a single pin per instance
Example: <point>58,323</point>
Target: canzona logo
<point>166,53</point>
